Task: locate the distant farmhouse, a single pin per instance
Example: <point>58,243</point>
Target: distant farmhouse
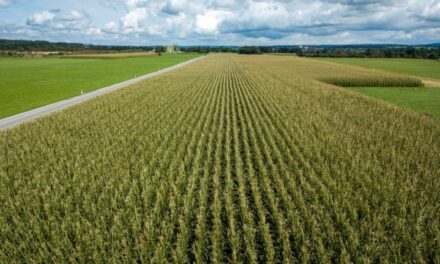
<point>172,48</point>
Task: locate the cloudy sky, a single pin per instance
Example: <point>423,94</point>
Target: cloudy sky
<point>222,22</point>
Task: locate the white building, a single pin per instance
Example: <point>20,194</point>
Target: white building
<point>172,48</point>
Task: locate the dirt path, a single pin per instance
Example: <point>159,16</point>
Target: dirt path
<point>431,82</point>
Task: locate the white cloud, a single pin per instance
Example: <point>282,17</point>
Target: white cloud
<point>431,11</point>
<point>265,15</point>
<point>41,18</point>
<point>155,31</point>
<point>236,21</point>
<point>227,3</point>
<point>174,7</point>
<point>131,4</point>
<point>131,22</point>
<point>111,27</point>
<point>208,23</point>
<point>93,31</point>
<point>179,26</point>
<point>56,23</point>
<point>4,3</point>
<point>74,15</point>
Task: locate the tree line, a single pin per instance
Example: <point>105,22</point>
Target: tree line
<point>421,52</point>
<point>17,47</point>
<point>383,52</point>
<point>41,45</point>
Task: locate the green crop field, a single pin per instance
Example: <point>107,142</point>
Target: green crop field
<point>345,75</point>
<point>27,83</point>
<point>417,67</point>
<point>239,159</point>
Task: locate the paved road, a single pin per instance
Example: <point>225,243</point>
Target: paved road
<point>44,110</point>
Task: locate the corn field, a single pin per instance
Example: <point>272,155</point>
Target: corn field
<point>239,159</point>
<point>346,76</point>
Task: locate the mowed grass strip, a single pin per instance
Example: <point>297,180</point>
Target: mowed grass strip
<point>230,159</point>
<point>27,83</point>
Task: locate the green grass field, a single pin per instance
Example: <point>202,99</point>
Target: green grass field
<point>231,159</point>
<point>27,83</point>
<point>416,67</point>
<point>420,99</point>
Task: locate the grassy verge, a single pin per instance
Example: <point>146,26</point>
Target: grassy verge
<point>420,99</point>
<point>27,83</point>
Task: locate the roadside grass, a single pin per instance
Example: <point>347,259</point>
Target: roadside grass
<point>28,83</point>
<point>416,67</point>
<point>420,99</point>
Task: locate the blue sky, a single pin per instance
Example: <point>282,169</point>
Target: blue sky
<point>222,22</point>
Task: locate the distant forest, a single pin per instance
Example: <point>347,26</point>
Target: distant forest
<point>432,51</point>
<point>352,51</point>
<point>41,45</point>
<point>421,52</point>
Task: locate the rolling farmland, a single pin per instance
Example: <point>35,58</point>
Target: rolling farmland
<point>241,159</point>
